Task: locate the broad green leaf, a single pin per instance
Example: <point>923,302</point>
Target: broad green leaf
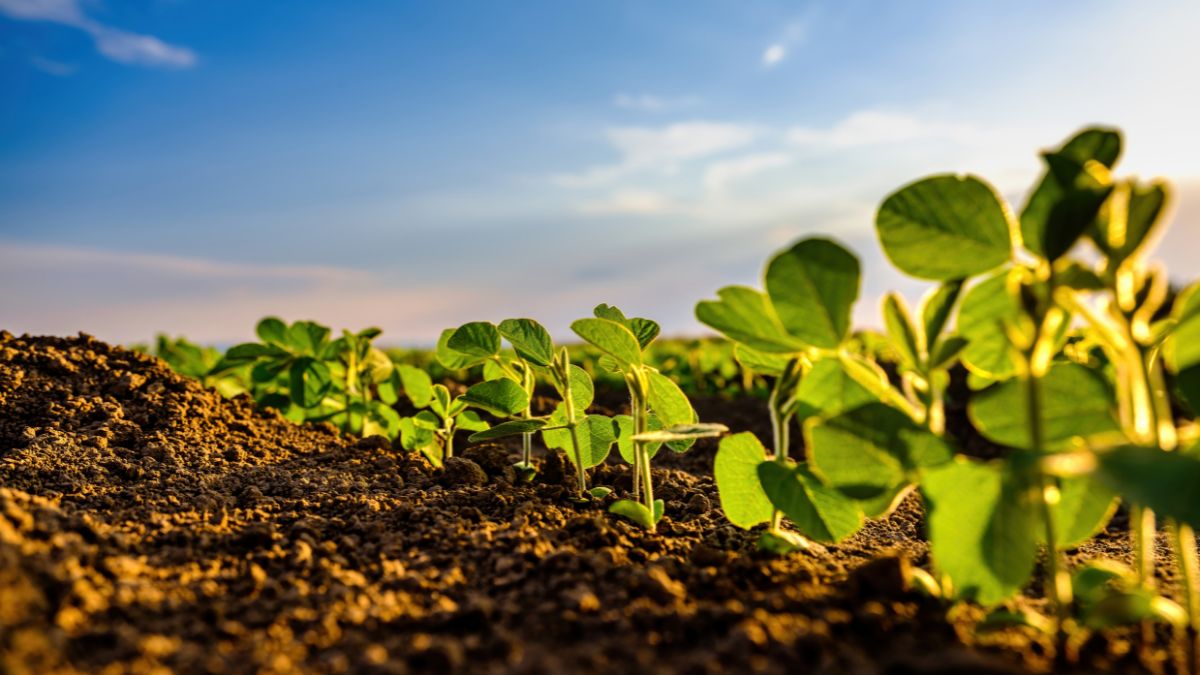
<point>1074,401</point>
<point>582,389</point>
<point>985,308</point>
<point>611,338</point>
<point>469,420</point>
<point>983,532</point>
<point>872,452</point>
<point>381,421</point>
<point>625,436</point>
<point>1165,482</point>
<point>683,432</point>
<point>272,330</point>
<point>269,371</point>
<point>376,367</point>
<point>440,403</point>
<point>416,384</point>
<point>901,331</point>
<point>1084,508</point>
<point>736,471</point>
<point>634,511</point>
<point>946,351</point>
<point>610,312</point>
<point>509,428</point>
<point>644,330</point>
<point>764,363</point>
<point>1182,348</point>
<point>945,227</point>
<point>308,337</point>
<point>668,402</point>
<point>427,419</point>
<point>308,382</point>
<point>1071,191</point>
<point>936,307</point>
<point>499,397</point>
<point>1128,231</point>
<point>597,434</point>
<point>478,338</point>
<point>414,436</point>
<point>250,351</point>
<point>820,512</point>
<point>828,390</point>
<point>745,316</point>
<point>451,358</point>
<point>529,339</point>
<point>813,286</point>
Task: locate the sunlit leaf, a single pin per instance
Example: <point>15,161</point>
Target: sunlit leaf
<point>813,286</point>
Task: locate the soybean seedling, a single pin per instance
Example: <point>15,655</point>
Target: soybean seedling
<point>623,340</point>
<point>865,441</point>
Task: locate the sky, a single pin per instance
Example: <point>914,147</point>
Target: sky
<point>188,167</point>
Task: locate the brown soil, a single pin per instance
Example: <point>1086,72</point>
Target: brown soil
<point>146,522</point>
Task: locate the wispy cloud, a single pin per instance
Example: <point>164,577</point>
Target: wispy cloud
<point>52,67</point>
<point>793,35</point>
<point>118,45</point>
<point>876,127</point>
<point>633,202</point>
<point>654,104</point>
<point>719,175</point>
<point>661,149</point>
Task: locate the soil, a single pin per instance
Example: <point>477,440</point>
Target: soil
<point>146,523</point>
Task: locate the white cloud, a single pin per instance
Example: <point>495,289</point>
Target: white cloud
<point>653,104</point>
<point>116,44</point>
<point>634,202</point>
<point>719,175</point>
<point>876,127</point>
<point>662,149</point>
<point>773,55</point>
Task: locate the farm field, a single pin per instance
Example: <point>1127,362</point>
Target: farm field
<point>1006,478</point>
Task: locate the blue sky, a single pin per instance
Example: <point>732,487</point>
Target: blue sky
<point>189,166</point>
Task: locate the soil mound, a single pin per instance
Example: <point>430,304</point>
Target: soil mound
<point>146,522</point>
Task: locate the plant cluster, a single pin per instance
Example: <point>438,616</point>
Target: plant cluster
<point>1069,358</point>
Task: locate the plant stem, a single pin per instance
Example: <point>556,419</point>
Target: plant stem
<point>640,452</point>
<point>935,416</point>
<point>573,427</point>
<point>1059,591</point>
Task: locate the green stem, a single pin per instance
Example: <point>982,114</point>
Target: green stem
<point>640,452</point>
<point>935,416</point>
<point>1059,590</point>
<point>448,450</point>
<point>1184,539</point>
<point>573,427</point>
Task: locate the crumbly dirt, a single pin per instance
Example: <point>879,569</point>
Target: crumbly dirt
<point>146,523</point>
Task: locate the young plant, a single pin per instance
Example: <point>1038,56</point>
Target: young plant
<point>431,431</point>
<point>865,437</point>
<point>661,413</point>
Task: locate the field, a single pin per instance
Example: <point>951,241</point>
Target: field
<point>1002,480</point>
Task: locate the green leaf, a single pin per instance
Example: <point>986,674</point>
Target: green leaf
<point>745,315</point>
<point>820,512</point>
<point>668,402</point>
<point>945,227</point>
<point>1084,507</point>
<point>499,397</point>
<point>764,363</point>
<point>625,436</point>
<point>309,381</point>
<point>872,453</point>
<point>469,420</point>
<point>682,432</point>
<point>982,530</point>
<point>597,434</point>
<point>828,390</point>
<point>610,312</point>
<point>416,383</point>
<point>413,436</point>
<point>440,402</point>
<point>813,286</point>
<point>946,351</point>
<point>308,337</point>
<point>582,389</point>
<point>611,338</point>
<point>529,339</point>
<point>272,330</point>
<point>509,428</point>
<point>936,307</point>
<point>1164,482</point>
<point>1070,194</point>
<point>1182,347</point>
<point>736,470</point>
<point>452,359</point>
<point>1075,401</point>
<point>900,330</point>
<point>250,351</point>
<point>478,338</point>
<point>634,511</point>
<point>985,309</point>
<point>1121,237</point>
<point>644,330</point>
